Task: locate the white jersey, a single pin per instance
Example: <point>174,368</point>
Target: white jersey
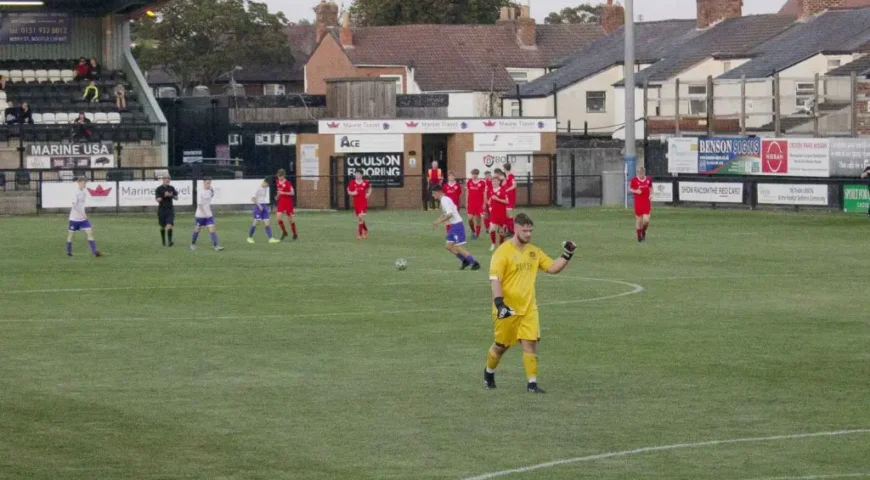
<point>262,196</point>
<point>449,208</point>
<point>77,212</point>
<point>203,207</point>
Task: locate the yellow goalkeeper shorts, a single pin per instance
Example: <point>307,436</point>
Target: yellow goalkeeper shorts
<point>511,330</point>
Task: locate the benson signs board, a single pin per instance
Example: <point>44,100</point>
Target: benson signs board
<point>69,156</point>
<point>383,170</point>
<point>729,156</point>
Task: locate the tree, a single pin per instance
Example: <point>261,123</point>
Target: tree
<point>583,13</point>
<point>196,41</point>
<point>402,12</point>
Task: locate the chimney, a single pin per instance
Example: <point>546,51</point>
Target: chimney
<point>526,28</point>
<point>811,8</point>
<point>714,11</point>
<point>326,14</point>
<point>345,34</point>
<point>506,14</point>
<point>612,17</point>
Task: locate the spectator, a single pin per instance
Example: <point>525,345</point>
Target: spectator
<point>82,128</point>
<point>25,114</point>
<point>3,82</point>
<point>95,71</point>
<point>92,93</point>
<point>120,97</point>
<point>82,69</point>
<point>12,114</point>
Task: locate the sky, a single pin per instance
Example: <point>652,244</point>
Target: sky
<point>650,9</point>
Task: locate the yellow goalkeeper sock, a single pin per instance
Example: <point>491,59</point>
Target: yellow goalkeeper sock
<point>530,363</point>
<point>492,360</point>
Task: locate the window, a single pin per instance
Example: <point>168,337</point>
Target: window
<point>399,89</point>
<point>805,92</point>
<point>697,99</point>
<point>513,109</point>
<point>832,64</point>
<point>726,66</point>
<point>596,102</point>
<point>519,77</point>
<point>273,89</point>
<point>267,139</point>
<point>235,139</point>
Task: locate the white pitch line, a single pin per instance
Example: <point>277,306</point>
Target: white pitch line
<point>818,477</point>
<point>663,448</point>
<point>634,289</point>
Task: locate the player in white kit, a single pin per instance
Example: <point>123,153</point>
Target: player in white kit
<point>78,220</point>
<point>261,212</point>
<point>456,229</point>
<point>204,217</point>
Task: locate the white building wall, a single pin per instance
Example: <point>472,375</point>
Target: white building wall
<point>531,73</point>
<point>619,105</point>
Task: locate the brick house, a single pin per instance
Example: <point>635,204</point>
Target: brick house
<point>472,63</point>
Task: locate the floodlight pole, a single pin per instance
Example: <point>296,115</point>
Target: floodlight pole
<point>630,156</point>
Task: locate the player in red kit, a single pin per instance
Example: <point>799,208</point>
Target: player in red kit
<point>641,187</point>
<point>475,194</point>
<point>498,203</point>
<point>452,190</point>
<point>510,185</point>
<point>285,204</point>
<point>360,189</point>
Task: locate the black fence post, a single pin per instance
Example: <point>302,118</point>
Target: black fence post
<point>425,190</point>
<point>573,180</point>
<point>21,148</point>
<point>528,189</point>
<point>39,192</point>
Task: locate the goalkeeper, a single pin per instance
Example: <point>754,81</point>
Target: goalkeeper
<point>512,273</point>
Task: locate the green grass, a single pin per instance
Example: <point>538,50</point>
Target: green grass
<point>318,360</point>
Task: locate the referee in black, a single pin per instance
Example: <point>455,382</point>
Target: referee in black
<point>165,194</point>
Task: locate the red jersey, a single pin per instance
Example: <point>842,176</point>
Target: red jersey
<point>453,192</point>
<point>510,181</point>
<point>285,187</point>
<point>476,189</point>
<point>434,176</point>
<point>498,210</point>
<point>642,205</point>
<point>360,202</point>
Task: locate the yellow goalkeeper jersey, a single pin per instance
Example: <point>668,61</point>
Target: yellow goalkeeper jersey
<point>517,270</point>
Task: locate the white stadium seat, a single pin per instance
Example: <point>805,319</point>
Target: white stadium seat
<point>67,75</point>
<point>3,105</point>
<point>89,116</point>
<point>114,117</point>
<point>54,75</point>
<point>2,95</point>
<point>28,75</point>
<point>60,118</point>
<point>101,117</point>
<point>48,119</point>
<point>16,75</point>
<point>37,118</point>
<point>41,76</point>
<point>5,73</point>
<point>66,175</point>
<point>73,116</point>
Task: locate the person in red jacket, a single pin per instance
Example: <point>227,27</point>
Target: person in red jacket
<point>434,177</point>
<point>82,70</point>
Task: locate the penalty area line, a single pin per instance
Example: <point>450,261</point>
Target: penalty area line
<point>664,448</point>
<point>817,477</point>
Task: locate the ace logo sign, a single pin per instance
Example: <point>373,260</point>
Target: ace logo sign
<point>369,143</point>
<point>774,157</point>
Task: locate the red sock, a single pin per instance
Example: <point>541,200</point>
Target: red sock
<point>365,227</point>
<point>500,239</point>
<point>492,237</point>
<point>293,227</point>
<point>283,228</point>
<point>359,228</point>
<point>477,229</point>
<point>639,233</point>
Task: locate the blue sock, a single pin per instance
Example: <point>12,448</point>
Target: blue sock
<point>251,232</point>
<point>195,235</point>
<point>269,232</point>
<point>471,259</point>
<point>93,245</point>
<point>69,248</point>
<point>461,257</point>
<point>213,236</point>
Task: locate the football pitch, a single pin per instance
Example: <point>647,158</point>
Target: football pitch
<point>731,345</point>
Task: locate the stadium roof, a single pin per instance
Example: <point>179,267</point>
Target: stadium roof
<point>842,31</point>
<point>95,7</point>
<point>652,40</point>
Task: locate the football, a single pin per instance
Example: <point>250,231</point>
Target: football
<point>401,264</point>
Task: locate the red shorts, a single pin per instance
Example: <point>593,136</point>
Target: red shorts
<point>286,208</point>
<point>643,208</point>
<point>498,219</point>
<point>474,209</point>
<point>360,209</point>
<point>512,201</point>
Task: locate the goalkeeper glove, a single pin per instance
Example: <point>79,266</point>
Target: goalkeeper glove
<point>503,311</point>
<point>568,248</point>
